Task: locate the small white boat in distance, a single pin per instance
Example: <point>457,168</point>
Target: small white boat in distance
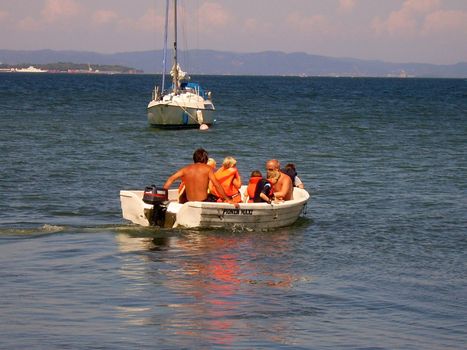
<point>255,216</point>
<point>185,105</point>
<point>30,69</point>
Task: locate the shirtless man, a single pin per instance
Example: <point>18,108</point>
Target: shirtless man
<point>283,188</point>
<point>196,178</point>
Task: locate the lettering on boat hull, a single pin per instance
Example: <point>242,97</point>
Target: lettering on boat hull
<point>237,212</point>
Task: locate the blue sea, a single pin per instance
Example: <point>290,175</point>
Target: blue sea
<point>378,261</point>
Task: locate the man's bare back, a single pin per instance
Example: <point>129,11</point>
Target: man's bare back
<point>196,178</point>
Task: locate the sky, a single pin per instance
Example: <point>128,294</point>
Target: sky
<point>424,31</point>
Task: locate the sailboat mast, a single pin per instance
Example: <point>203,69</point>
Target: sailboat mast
<point>164,59</point>
<point>175,75</point>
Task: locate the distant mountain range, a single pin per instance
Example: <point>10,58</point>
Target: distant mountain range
<point>229,63</point>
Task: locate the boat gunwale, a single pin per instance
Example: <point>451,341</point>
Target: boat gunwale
<point>173,194</point>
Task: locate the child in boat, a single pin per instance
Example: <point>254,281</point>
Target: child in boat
<point>258,189</point>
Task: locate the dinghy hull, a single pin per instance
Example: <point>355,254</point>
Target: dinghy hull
<point>255,216</point>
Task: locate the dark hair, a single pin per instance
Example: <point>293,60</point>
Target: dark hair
<point>256,173</point>
<point>200,156</point>
<point>290,170</point>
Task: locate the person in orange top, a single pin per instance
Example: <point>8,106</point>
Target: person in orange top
<point>230,180</point>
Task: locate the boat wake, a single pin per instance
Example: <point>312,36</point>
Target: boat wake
<point>26,231</point>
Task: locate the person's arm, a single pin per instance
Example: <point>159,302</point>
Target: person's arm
<point>220,189</point>
<point>217,185</point>
<point>265,198</point>
<point>265,191</point>
<point>237,181</point>
<point>280,195</point>
<point>245,196</point>
<point>172,179</point>
<point>298,183</point>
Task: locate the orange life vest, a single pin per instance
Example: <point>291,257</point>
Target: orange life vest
<point>252,187</point>
<point>225,178</point>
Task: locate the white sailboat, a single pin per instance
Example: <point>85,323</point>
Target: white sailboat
<point>185,104</point>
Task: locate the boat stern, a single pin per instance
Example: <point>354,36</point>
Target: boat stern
<point>134,209</point>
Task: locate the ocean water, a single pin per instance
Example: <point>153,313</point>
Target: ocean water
<point>377,262</point>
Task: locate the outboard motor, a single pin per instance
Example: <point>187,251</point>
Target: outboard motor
<point>159,198</point>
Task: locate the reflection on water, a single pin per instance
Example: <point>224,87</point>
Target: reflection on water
<point>209,283</point>
<point>385,162</point>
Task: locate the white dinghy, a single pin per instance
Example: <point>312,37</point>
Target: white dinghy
<point>255,216</point>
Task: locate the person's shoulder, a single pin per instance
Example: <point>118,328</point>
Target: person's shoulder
<point>289,172</point>
<point>286,177</point>
<point>202,167</point>
<point>194,166</point>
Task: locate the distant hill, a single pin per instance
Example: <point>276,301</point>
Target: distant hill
<point>229,63</point>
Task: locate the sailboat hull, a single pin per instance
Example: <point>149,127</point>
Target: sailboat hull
<point>173,117</point>
<point>168,115</point>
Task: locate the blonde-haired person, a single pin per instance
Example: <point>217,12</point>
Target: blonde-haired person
<point>212,163</point>
<point>229,162</point>
<point>273,177</point>
<point>229,178</point>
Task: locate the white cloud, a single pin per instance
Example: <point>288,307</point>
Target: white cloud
<point>407,21</point>
<point>346,5</point>
<point>316,24</point>
<point>29,24</point>
<point>253,26</point>
<point>54,12</point>
<point>444,22</point>
<point>3,15</point>
<point>427,30</point>
<point>213,15</point>
<point>150,21</point>
<point>60,10</point>
<point>398,23</point>
<point>420,6</point>
<point>105,17</point>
